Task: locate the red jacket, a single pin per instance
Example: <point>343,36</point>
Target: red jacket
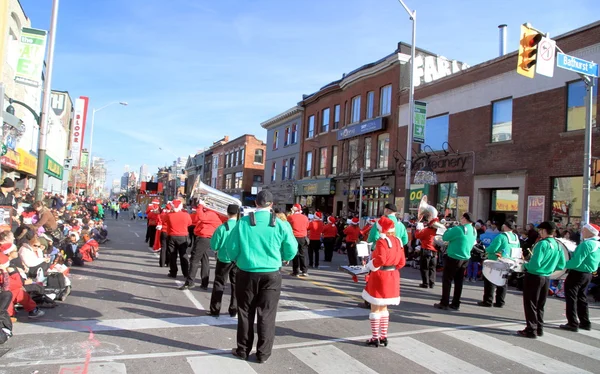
<point>178,223</point>
<point>162,221</point>
<point>426,237</point>
<point>152,218</point>
<point>88,250</point>
<point>207,223</point>
<point>352,232</point>
<point>330,230</point>
<point>194,218</point>
<point>315,229</point>
<point>299,224</point>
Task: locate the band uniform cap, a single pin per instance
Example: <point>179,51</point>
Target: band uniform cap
<point>391,207</point>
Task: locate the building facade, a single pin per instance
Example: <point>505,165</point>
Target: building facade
<point>243,168</point>
<point>283,155</point>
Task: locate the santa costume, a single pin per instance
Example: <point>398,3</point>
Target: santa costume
<point>383,283</point>
<point>315,231</point>
<point>352,233</point>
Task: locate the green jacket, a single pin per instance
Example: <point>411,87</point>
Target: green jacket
<point>261,248</point>
<point>547,257</point>
<point>502,243</point>
<point>586,257</point>
<point>461,240</point>
<point>219,238</point>
<point>400,231</point>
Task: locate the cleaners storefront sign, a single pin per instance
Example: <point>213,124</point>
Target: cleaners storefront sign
<point>53,168</point>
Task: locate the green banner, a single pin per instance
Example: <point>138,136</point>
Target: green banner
<point>31,58</point>
<point>417,191</point>
<point>53,168</point>
<point>419,121</point>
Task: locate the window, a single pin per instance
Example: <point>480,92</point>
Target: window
<point>216,162</point>
<point>383,151</point>
<point>308,164</point>
<point>367,160</point>
<point>257,179</point>
<point>375,201</point>
<point>336,117</point>
<point>292,168</point>
<point>323,161</point>
<point>294,135</point>
<point>235,158</point>
<point>242,159</point>
<point>310,130</point>
<point>325,120</point>
<point>273,171</point>
<point>370,100</point>
<point>227,181</point>
<point>258,156</point>
<point>239,179</point>
<point>284,169</point>
<point>355,109</point>
<point>502,120</point>
<point>286,137</point>
<point>436,132</point>
<point>353,155</point>
<point>447,196</point>
<point>576,97</point>
<point>214,183</point>
<point>275,140</point>
<point>385,98</point>
<point>334,159</point>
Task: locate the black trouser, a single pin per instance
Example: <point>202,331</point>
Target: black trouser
<point>178,246</point>
<point>535,291</point>
<point>427,267</point>
<point>5,300</point>
<point>488,293</point>
<point>164,258</point>
<point>454,270</point>
<point>352,253</point>
<point>35,291</point>
<point>191,234</point>
<point>575,286</point>
<point>150,235</point>
<point>257,295</point>
<point>313,252</point>
<point>328,243</point>
<point>223,270</point>
<point>199,256</point>
<point>298,263</point>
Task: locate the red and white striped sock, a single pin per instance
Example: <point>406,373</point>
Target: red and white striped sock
<point>374,318</point>
<point>383,323</point>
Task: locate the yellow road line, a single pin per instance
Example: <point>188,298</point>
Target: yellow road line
<point>333,289</point>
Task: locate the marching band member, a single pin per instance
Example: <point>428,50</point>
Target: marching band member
<point>299,224</point>
<point>383,286</point>
<point>390,212</point>
<point>428,260</point>
<point>315,230</point>
<point>152,214</point>
<point>461,240</point>
<point>501,246</point>
<point>583,263</point>
<point>177,241</point>
<point>329,235</point>
<point>547,257</point>
<point>162,236</point>
<point>352,233</point>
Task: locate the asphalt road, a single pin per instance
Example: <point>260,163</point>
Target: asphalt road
<point>126,316</point>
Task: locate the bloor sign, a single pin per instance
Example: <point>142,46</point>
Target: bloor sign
<point>79,117</point>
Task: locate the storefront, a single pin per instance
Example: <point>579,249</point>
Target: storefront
<point>53,176</point>
<point>27,168</point>
<point>283,194</point>
<point>315,194</point>
<point>378,190</point>
<point>10,163</point>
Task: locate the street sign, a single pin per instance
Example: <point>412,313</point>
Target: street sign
<point>546,56</point>
<point>419,121</point>
<point>577,65</point>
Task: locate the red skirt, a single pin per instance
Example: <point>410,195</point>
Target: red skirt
<point>383,288</point>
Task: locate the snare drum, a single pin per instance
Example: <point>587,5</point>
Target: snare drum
<point>568,247</point>
<point>496,271</point>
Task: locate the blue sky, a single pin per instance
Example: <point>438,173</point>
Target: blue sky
<point>195,70</point>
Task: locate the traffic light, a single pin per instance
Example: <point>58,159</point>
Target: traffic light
<point>528,51</point>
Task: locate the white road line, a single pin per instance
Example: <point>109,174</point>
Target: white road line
<point>219,364</point>
<point>592,333</point>
<point>136,234</point>
<point>102,368</point>
<point>128,225</point>
<point>515,353</point>
<point>189,295</point>
<point>431,358</point>
<point>329,359</point>
<point>288,300</point>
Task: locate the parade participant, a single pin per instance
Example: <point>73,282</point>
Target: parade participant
<point>428,260</point>
<point>177,238</point>
<point>315,231</point>
<point>460,240</point>
<point>383,286</point>
<point>152,214</point>
<point>162,227</point>
<point>547,257</point>
<point>329,236</point>
<point>299,224</point>
<point>501,246</point>
<point>207,223</point>
<point>364,232</point>
<point>583,263</point>
<point>390,212</point>
<point>258,244</point>
<point>352,233</point>
<point>224,266</point>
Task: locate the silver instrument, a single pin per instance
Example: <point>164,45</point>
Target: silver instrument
<point>429,212</point>
<point>214,199</point>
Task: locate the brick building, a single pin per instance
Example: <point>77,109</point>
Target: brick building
<point>242,164</point>
<point>519,140</point>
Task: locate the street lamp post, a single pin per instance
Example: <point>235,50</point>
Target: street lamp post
<point>411,103</point>
<point>87,181</point>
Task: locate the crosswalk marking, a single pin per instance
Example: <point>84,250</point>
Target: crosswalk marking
<point>592,333</point>
<point>97,368</point>
<point>431,358</point>
<point>329,359</point>
<point>219,364</point>
<point>515,353</point>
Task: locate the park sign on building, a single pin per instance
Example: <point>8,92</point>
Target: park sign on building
<point>31,57</point>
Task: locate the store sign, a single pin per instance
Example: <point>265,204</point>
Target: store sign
<point>386,190</point>
<point>365,127</point>
<point>432,68</point>
<point>444,165</point>
<point>419,121</point>
<point>315,187</point>
<point>417,191</point>
<point>10,159</point>
<point>53,168</point>
<point>31,58</point>
<point>79,117</point>
<point>535,209</point>
<point>27,162</point>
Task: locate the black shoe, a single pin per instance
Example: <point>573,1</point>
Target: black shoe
<point>235,352</point>
<point>585,327</point>
<point>569,327</point>
<point>294,274</point>
<point>527,334</point>
<point>186,286</point>
<point>440,306</point>
<point>172,275</point>
<point>540,332</point>
<point>373,342</point>
<point>212,314</point>
<point>431,285</point>
<point>261,360</point>
<point>423,286</point>
<point>232,314</point>
<point>454,307</point>
<point>496,305</point>
<point>484,304</point>
<point>204,287</point>
<point>383,342</point>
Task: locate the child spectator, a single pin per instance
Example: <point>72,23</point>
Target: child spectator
<point>14,284</point>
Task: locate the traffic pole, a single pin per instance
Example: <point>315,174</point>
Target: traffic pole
<point>587,151</point>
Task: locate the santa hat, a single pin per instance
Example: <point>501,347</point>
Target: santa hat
<point>4,260</point>
<point>354,221</point>
<point>331,219</point>
<point>155,202</point>
<point>6,248</point>
<point>593,228</point>
<point>296,208</point>
<point>176,205</point>
<point>318,216</point>
<point>385,225</point>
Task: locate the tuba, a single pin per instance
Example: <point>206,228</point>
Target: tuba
<point>214,199</point>
<point>429,212</point>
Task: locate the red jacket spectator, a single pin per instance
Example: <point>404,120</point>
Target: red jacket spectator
<point>299,224</point>
<point>207,222</point>
<point>426,237</point>
<point>89,250</point>
<point>178,223</point>
<point>315,229</point>
<point>330,230</point>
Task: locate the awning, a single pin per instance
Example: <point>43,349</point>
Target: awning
<point>27,162</point>
<point>10,159</point>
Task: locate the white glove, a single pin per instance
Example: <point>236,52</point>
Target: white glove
<point>159,227</point>
<point>371,267</point>
<point>420,226</point>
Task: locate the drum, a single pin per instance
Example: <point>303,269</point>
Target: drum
<point>496,271</point>
<point>568,247</point>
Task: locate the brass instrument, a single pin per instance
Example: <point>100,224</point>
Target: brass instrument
<point>429,212</point>
<point>214,199</point>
